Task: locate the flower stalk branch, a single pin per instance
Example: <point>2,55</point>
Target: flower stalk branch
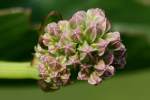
<point>18,70</point>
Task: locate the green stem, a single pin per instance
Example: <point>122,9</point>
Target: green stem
<point>18,70</point>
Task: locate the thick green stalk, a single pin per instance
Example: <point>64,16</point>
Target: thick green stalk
<point>18,70</point>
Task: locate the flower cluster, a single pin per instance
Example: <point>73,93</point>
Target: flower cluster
<point>83,45</point>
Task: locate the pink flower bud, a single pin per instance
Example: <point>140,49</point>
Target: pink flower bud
<point>100,66</point>
<point>43,71</point>
<point>113,37</point>
<point>94,79</point>
<point>77,35</point>
<point>97,17</point>
<point>110,70</point>
<point>109,57</point>
<point>101,46</point>
<point>52,29</point>
<point>83,73</point>
<point>78,19</point>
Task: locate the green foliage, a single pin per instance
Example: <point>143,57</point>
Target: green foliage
<point>17,39</point>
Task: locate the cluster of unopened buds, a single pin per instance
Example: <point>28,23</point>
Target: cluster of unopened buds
<point>81,48</point>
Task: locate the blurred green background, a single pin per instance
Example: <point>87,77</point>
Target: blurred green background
<point>20,19</point>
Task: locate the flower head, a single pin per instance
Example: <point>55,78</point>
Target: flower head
<point>84,45</point>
